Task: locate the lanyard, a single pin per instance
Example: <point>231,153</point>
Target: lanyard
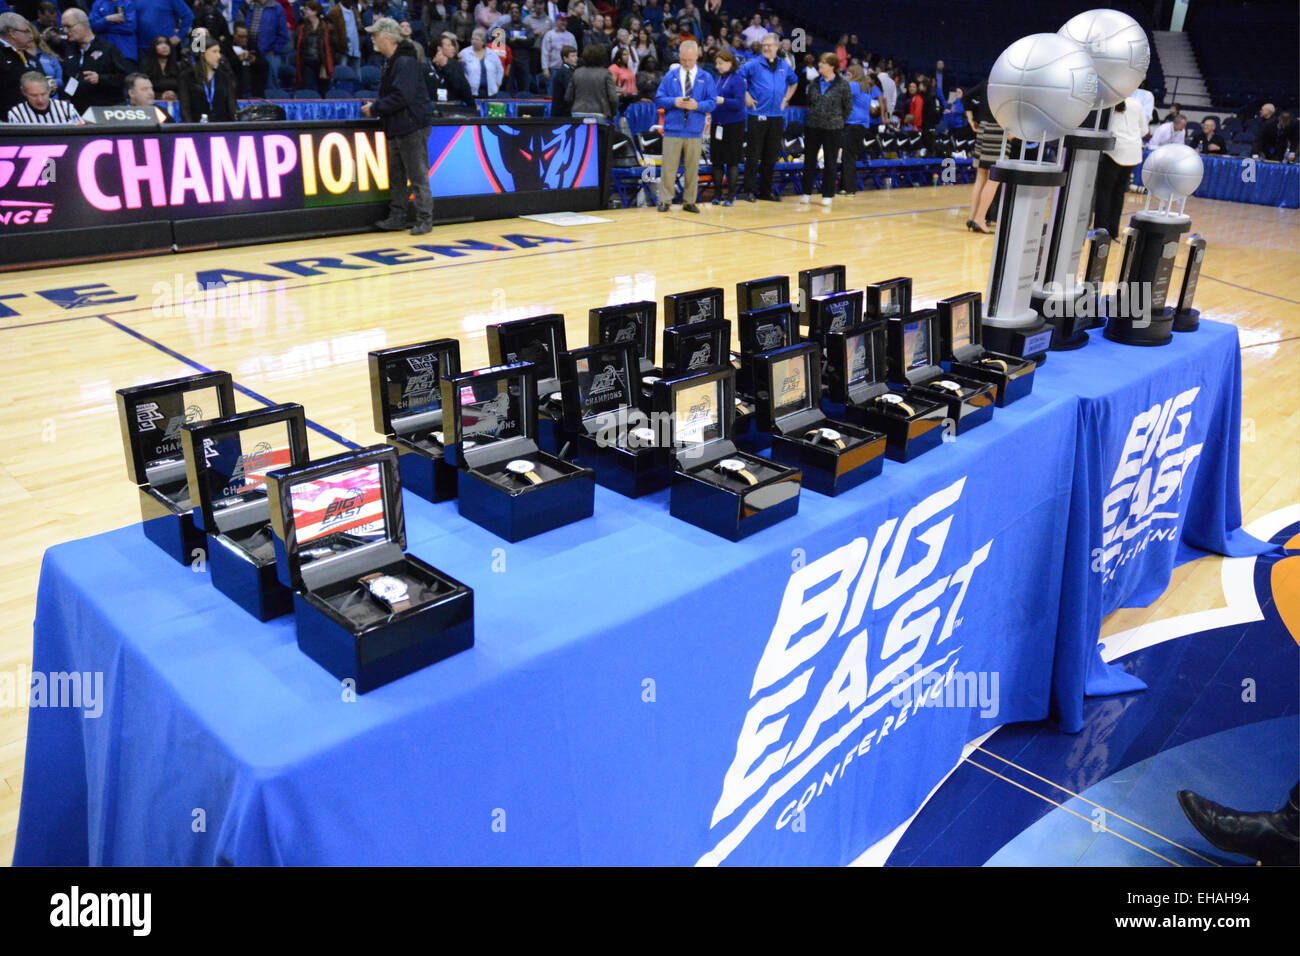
<point>209,88</point>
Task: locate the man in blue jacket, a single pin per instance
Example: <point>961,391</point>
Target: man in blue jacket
<point>685,95</point>
<point>161,18</point>
<point>771,83</point>
<point>268,31</point>
<point>116,21</point>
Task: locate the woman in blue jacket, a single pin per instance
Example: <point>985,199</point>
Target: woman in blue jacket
<point>855,129</point>
<point>728,138</point>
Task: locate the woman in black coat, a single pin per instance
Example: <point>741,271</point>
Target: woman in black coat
<point>830,101</point>
<point>208,88</point>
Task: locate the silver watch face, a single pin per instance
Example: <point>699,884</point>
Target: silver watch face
<point>520,466</point>
<point>389,588</point>
<point>949,384</point>
<point>649,379</point>
<point>555,397</point>
<point>892,398</point>
<point>829,434</point>
<point>731,464</point>
<point>644,436</point>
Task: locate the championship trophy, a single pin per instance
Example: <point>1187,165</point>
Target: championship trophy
<point>1040,88</point>
<point>1120,54</point>
<point>1170,174</point>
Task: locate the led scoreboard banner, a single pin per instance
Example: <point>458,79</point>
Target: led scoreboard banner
<point>183,187</point>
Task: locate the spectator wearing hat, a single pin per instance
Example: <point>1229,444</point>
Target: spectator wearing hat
<point>403,105</point>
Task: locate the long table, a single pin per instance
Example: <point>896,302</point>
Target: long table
<point>640,691</point>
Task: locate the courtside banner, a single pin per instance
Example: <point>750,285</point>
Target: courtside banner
<point>234,183</point>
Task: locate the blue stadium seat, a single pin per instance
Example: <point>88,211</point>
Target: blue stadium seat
<point>347,78</point>
<point>306,95</point>
<point>339,93</point>
<point>640,117</point>
<point>370,77</point>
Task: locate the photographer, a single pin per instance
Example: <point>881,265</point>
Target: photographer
<point>93,69</point>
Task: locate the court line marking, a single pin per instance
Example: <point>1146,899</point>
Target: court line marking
<point>1246,288</point>
<point>328,433</point>
<point>1061,806</point>
<point>1113,813</point>
<point>278,286</point>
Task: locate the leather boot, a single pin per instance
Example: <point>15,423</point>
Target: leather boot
<point>1270,836</point>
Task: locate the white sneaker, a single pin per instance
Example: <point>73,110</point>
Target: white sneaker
<point>805,200</point>
<point>826,202</point>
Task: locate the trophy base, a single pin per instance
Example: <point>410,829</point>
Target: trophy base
<point>1127,332</point>
<point>1069,315</point>
<point>1027,341</point>
<point>1188,321</point>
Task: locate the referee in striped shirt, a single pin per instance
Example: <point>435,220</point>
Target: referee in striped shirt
<point>39,109</point>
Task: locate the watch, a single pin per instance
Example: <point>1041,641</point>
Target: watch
<point>439,437</point>
<point>645,437</point>
<point>743,408</point>
<point>387,590</point>
<point>524,469</point>
<point>889,398</point>
<point>947,385</point>
<point>735,468</point>
<point>994,361</point>
<point>825,434</point>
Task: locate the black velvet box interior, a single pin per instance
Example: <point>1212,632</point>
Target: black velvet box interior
<point>406,406</point>
<point>150,418</point>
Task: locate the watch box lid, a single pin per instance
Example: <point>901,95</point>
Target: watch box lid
<point>889,298</point>
<point>337,516</point>
<point>406,385</point>
<point>761,330</point>
<point>490,413</point>
<point>538,339</point>
<point>227,461</point>
<point>789,387</point>
<point>961,328</point>
<point>914,349</point>
<point>856,359</point>
<point>697,347</point>
<point>151,417</point>
<point>699,410</point>
<point>697,305</point>
<point>636,322</point>
<point>598,381</point>
<point>763,293</point>
<point>834,311</point>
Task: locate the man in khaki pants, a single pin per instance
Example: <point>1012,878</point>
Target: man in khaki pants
<point>686,95</point>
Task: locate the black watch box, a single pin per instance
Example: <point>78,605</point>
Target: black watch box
<point>834,456</point>
<point>856,372</point>
<point>753,294</point>
<point>697,305</point>
<point>151,417</point>
<point>914,365</point>
<point>962,352</point>
<point>615,439</point>
<point>698,412</point>
<point>539,340</point>
<point>227,461</point>
<point>406,402</point>
<point>762,330</point>
<point>491,430</point>
<point>634,322</point>
<point>833,312</point>
<point>822,280</point>
<point>890,298</point>
<point>365,610</point>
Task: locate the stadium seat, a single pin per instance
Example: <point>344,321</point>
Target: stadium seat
<point>346,78</point>
<point>287,76</point>
<point>340,93</point>
<point>370,76</point>
<point>640,117</point>
<point>368,94</point>
<point>306,95</point>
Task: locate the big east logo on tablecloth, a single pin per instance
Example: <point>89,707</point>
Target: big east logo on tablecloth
<point>824,644</point>
<point>1145,490</point>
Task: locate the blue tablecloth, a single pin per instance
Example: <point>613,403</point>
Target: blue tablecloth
<point>1242,179</point>
<point>640,690</point>
<point>1155,484</point>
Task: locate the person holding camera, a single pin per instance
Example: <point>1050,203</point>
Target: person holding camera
<point>93,68</point>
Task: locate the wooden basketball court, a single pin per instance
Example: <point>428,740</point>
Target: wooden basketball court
<point>299,324</point>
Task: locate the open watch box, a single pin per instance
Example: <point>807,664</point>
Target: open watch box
<point>227,461</point>
<point>716,486</point>
<point>961,350</point>
<point>406,402</point>
<point>365,610</point>
<point>508,484</point>
<point>914,367</point>
<point>539,340</point>
<point>151,417</point>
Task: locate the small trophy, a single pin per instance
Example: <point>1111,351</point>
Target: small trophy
<point>1138,315</point>
<point>1187,319</point>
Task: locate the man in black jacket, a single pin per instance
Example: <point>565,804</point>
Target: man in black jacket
<point>14,31</point>
<point>1278,138</point>
<point>403,105</point>
<point>93,68</point>
<point>1208,139</point>
<point>445,80</point>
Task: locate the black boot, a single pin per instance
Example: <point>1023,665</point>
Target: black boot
<point>1269,836</point>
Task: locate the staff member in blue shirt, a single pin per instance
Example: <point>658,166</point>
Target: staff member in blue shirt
<point>686,95</point>
<point>770,83</point>
<point>728,127</point>
<point>855,130</point>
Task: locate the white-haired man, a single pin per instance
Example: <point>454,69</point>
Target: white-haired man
<point>769,85</point>
<point>38,109</point>
<point>403,105</point>
<point>686,96</point>
<point>14,30</point>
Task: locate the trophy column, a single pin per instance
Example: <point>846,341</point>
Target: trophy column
<point>1011,326</point>
<point>1057,295</point>
<point>1138,315</point>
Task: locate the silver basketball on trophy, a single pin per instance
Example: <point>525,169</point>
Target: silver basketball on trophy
<point>1172,172</point>
<point>1042,87</point>
<point>1119,49</point>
